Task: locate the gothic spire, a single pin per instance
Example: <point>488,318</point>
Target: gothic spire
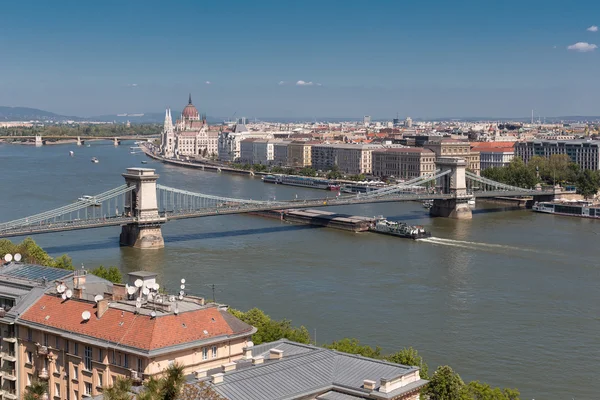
<point>190,102</point>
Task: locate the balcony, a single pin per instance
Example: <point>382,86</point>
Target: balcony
<point>8,355</point>
<point>43,374</point>
<point>10,337</point>
<point>9,394</point>
<point>9,374</point>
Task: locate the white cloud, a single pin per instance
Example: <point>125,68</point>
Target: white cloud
<point>132,84</point>
<point>592,28</point>
<point>281,83</point>
<point>303,83</point>
<point>318,84</point>
<point>208,82</point>
<point>582,47</point>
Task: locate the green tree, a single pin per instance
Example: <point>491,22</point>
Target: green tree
<point>36,390</point>
<point>269,330</point>
<point>410,356</point>
<point>173,381</point>
<point>588,183</point>
<point>63,262</point>
<point>445,384</point>
<point>334,173</point>
<point>120,390</point>
<point>199,391</point>
<point>353,346</point>
<point>34,254</point>
<point>110,274</point>
<point>153,390</point>
<point>482,391</point>
<point>307,171</point>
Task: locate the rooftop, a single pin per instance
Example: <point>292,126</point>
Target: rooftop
<point>305,371</point>
<point>420,150</point>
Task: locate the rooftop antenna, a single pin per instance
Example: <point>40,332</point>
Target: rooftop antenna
<point>212,286</point>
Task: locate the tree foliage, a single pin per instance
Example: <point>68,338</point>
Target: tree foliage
<point>82,130</point>
<point>588,183</point>
<point>482,391</point>
<point>110,274</point>
<point>269,330</point>
<point>199,391</point>
<point>36,390</point>
<point>410,356</point>
<point>353,346</point>
<point>515,174</point>
<point>445,384</point>
<point>32,253</point>
<point>334,173</point>
<point>120,390</point>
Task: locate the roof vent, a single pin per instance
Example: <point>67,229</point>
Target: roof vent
<point>369,384</point>
<point>258,360</point>
<point>228,367</point>
<point>217,378</point>
<point>275,354</point>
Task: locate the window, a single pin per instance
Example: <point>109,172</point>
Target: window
<point>100,355</point>
<point>87,358</point>
<point>30,357</point>
<point>100,379</point>
<point>57,343</point>
<point>76,348</point>
<point>66,346</point>
<point>140,365</point>
<point>214,352</point>
<point>75,395</point>
<point>29,334</point>
<point>75,372</point>
<point>57,389</point>
<point>126,359</point>
<point>29,379</point>
<point>46,339</point>
<point>88,389</point>
<point>204,353</point>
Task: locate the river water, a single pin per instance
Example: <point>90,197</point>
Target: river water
<point>511,298</point>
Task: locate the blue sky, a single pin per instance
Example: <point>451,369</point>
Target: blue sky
<point>435,58</point>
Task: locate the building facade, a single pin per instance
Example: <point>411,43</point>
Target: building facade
<point>80,335</point>
<point>355,159</point>
<point>280,153</point>
<point>190,136</point>
<point>403,163</point>
<point>455,148</point>
<point>585,153</point>
<point>323,157</point>
<point>299,154</point>
<point>494,154</point>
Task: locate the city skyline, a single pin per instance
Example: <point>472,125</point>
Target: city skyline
<point>298,60</point>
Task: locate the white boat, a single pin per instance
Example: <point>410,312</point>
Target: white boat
<point>90,199</point>
<point>400,229</point>
<point>95,160</point>
<point>71,153</point>
<point>471,201</point>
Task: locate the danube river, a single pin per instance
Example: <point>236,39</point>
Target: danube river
<point>511,298</point>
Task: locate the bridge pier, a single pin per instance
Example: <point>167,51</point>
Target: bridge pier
<point>455,184</point>
<point>39,141</point>
<point>141,203</point>
<point>79,141</point>
<point>116,141</point>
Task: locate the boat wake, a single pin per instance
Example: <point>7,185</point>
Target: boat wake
<point>474,245</point>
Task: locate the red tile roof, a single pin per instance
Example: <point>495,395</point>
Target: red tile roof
<point>404,150</point>
<point>491,145</point>
<point>129,329</point>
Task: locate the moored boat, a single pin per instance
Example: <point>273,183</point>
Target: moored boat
<point>574,208</point>
<point>303,181</point>
<point>400,229</point>
<point>95,160</point>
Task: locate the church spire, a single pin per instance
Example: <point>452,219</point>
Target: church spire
<point>190,102</point>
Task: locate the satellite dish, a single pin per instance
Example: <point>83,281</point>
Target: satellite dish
<point>171,298</point>
<point>150,296</point>
<point>131,290</point>
<point>8,257</point>
<point>98,297</point>
<point>146,291</point>
<point>181,292</point>
<point>69,293</point>
<point>64,296</point>
<point>183,281</point>
<point>138,283</point>
<point>18,257</point>
<point>153,314</point>
<point>156,286</point>
<point>138,304</point>
<point>180,297</point>
<point>182,287</point>
<point>86,315</point>
<point>60,288</point>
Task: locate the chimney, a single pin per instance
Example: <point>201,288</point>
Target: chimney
<point>201,373</point>
<point>369,384</point>
<point>389,385</point>
<point>217,378</point>
<point>275,354</point>
<point>119,292</point>
<point>258,360</point>
<point>247,353</point>
<point>79,283</point>
<point>228,367</point>
<point>101,308</point>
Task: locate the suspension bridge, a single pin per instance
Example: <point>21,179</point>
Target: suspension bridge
<point>141,205</point>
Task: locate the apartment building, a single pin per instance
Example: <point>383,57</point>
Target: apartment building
<point>585,153</point>
<point>20,286</point>
<point>494,154</point>
<point>355,159</point>
<point>280,153</point>
<point>299,154</point>
<point>403,163</point>
<point>455,148</point>
<point>323,156</point>
<point>81,335</point>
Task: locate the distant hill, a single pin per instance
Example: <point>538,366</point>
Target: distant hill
<point>31,114</point>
